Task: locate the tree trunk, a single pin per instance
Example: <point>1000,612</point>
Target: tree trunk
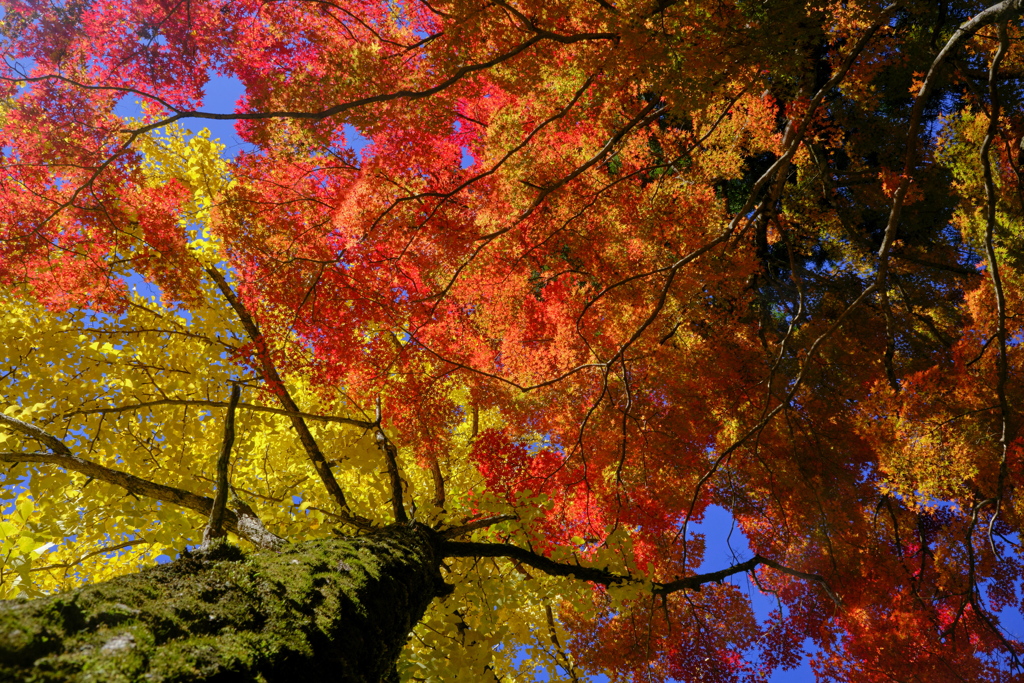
<point>331,610</point>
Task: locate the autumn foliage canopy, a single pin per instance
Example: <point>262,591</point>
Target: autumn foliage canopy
<point>599,266</point>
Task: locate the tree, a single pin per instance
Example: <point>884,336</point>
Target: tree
<point>601,266</point>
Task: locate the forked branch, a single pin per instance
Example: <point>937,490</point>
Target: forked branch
<point>991,222</point>
<point>998,13</point>
<point>604,577</point>
<point>273,377</point>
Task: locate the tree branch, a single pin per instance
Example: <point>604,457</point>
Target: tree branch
<point>63,457</point>
<point>991,223</point>
<point>79,560</point>
<point>362,424</point>
<point>1000,12</point>
<point>272,376</point>
<point>438,479</point>
<point>463,529</point>
<point>214,528</point>
<point>606,578</point>
<point>560,652</point>
<point>391,457</point>
<point>461,73</point>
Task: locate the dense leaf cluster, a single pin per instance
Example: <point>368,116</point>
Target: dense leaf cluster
<point>601,265</point>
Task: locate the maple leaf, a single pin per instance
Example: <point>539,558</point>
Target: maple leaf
<point>598,267</point>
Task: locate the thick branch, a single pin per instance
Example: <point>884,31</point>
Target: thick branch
<point>438,480</point>
<point>272,376</point>
<point>214,528</point>
<point>544,564</point>
<point>391,457</point>
<point>63,457</point>
<point>606,578</point>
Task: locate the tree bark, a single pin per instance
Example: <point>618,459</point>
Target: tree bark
<point>330,610</point>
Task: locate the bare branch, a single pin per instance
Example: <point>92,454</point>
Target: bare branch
<point>1000,12</point>
<point>801,575</point>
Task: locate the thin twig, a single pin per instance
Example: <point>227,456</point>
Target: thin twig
<point>79,560</point>
<point>362,424</point>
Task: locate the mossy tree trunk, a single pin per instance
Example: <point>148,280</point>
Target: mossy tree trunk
<point>332,610</point>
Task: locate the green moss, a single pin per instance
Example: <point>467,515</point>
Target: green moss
<point>338,609</point>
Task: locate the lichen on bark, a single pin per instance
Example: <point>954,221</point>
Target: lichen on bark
<point>336,609</point>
